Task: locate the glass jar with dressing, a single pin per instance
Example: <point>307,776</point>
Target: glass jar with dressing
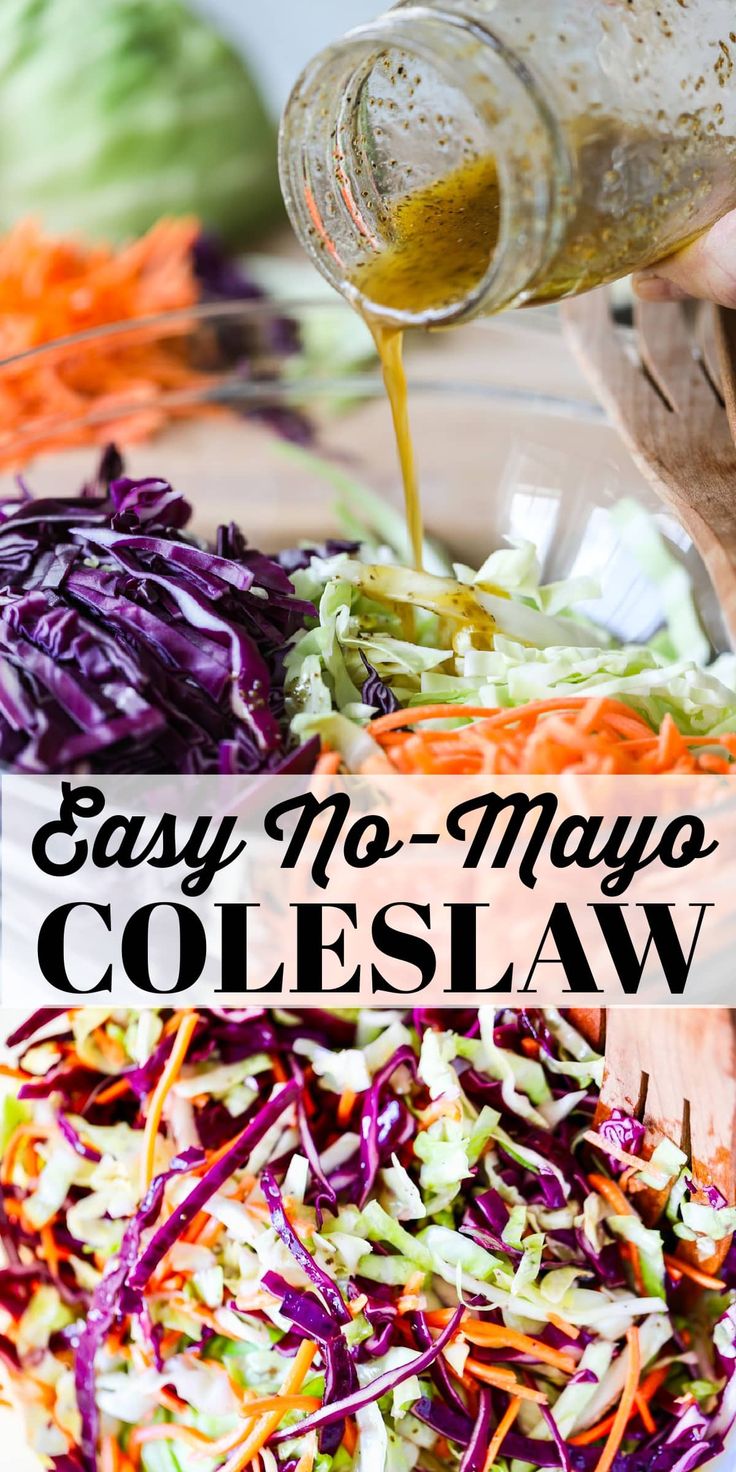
<point>462,156</point>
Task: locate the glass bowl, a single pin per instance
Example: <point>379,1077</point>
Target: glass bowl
<point>509,439</point>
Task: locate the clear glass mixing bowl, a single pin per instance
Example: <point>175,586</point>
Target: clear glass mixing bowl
<point>509,438</point>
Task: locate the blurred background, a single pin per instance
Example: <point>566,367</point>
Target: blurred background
<point>116,113</point>
<point>283,39</point>
<point>138,176</point>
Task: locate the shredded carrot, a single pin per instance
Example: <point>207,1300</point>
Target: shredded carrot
<point>278,1070</point>
<point>265,1426</point>
<point>531,1047</point>
<point>328,764</point>
<point>350,1437</point>
<point>653,1382</point>
<point>115,1091</point>
<point>645,1413</point>
<point>6,1071</point>
<point>109,1459</point>
<point>171,1400</point>
<point>169,1343</point>
<point>51,288</point>
<point>596,1433</point>
<point>49,1250</point>
<point>615,1198</point>
<point>21,1136</point>
<point>629,1254</point>
<point>201,1220</point>
<point>497,1336</point>
<point>612,1194</point>
<point>216,1157</point>
<point>168,1431</point>
<point>282,1404</point>
<point>441,1109</point>
<point>306,1461</point>
<point>409,1301</point>
<point>563,1326</point>
<point>502,1380</point>
<point>166,1082</point>
<point>198,1440</point>
<point>676,1265</point>
<point>110,1048</point>
<point>493,1336</point>
<point>211,1233</point>
<point>346,1106</point>
<point>575,734</point>
<point>626,1404</point>
<point>501,1432</point>
<point>646,1393</point>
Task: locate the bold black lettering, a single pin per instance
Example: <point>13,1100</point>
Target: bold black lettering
<point>311,946</point>
<point>490,805</point>
<point>377,835</point>
<point>51,949</point>
<point>400,945</point>
<point>311,809</point>
<point>464,952</point>
<point>571,956</point>
<point>662,935</point>
<point>691,846</point>
<point>76,802</point>
<point>234,938</point>
<point>192,948</point>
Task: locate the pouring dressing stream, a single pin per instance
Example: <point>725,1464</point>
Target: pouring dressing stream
<point>462,156</point>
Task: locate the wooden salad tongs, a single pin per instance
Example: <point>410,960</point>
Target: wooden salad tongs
<point>669,386</point>
<point>674,1070</point>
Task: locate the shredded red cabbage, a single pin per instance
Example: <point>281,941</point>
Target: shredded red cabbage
<point>475,1454</point>
<point>329,1290</point>
<point>338,1410</point>
<point>127,646</point>
<point>106,1306</point>
<point>211,1182</point>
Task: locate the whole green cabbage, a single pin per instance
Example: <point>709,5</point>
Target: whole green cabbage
<point>115,112</point>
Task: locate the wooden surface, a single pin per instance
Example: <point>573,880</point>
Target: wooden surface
<point>662,389</point>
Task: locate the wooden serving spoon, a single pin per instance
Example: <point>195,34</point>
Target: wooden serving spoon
<point>674,1069</point>
<point>669,386</point>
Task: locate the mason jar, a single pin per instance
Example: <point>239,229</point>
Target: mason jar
<point>462,156</point>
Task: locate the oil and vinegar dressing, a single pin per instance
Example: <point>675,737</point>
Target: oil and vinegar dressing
<point>442,238</point>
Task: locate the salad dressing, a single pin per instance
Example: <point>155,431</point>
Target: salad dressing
<point>439,164</point>
<point>442,239</point>
<point>439,242</point>
<point>390,344</point>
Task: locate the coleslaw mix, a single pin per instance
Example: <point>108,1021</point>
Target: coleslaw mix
<point>342,1241</point>
<point>456,669</point>
<point>129,645</point>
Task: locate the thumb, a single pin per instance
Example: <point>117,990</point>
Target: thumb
<point>706,269</point>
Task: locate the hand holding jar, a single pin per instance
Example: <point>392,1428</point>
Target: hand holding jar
<point>706,269</point>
